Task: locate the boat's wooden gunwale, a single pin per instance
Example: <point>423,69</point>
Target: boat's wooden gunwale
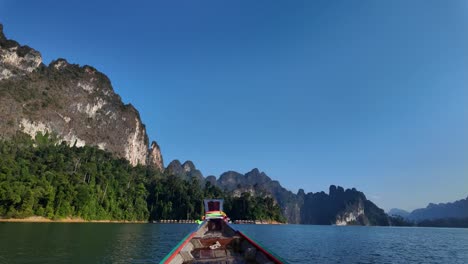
<point>176,250</point>
<point>262,249</point>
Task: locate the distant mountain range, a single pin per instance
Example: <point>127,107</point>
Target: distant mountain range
<point>457,209</point>
<point>338,207</point>
<point>79,106</point>
<point>398,212</point>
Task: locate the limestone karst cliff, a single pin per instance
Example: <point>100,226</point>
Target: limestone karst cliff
<point>338,207</point>
<point>76,103</point>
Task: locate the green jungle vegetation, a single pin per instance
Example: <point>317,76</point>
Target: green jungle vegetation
<point>43,177</point>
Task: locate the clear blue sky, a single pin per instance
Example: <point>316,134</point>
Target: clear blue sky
<point>366,94</point>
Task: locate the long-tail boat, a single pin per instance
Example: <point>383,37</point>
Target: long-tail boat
<point>216,241</point>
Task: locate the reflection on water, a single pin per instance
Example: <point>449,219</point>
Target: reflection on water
<point>127,244</point>
<point>140,243</point>
<point>86,242</point>
<point>149,243</point>
<point>356,244</point>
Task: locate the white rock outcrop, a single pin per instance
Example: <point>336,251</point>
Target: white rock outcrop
<point>32,128</point>
<point>135,150</point>
<point>14,61</point>
<point>155,158</point>
<point>350,216</point>
<point>91,109</point>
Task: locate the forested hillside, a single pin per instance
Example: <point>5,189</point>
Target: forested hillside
<point>42,177</point>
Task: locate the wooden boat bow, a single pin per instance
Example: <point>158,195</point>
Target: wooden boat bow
<point>216,241</point>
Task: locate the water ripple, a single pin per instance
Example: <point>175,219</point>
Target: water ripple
<point>149,243</point>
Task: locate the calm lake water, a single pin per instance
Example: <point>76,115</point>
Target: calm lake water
<point>149,243</point>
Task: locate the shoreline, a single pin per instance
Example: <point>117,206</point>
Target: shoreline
<point>40,219</point>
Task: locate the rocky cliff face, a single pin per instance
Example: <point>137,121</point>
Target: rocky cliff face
<point>341,207</point>
<point>77,103</point>
<point>351,215</point>
<point>155,158</point>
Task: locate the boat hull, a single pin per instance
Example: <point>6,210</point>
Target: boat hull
<point>215,241</point>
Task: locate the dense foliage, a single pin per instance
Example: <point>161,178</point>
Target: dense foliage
<point>247,206</point>
<point>41,177</point>
<point>396,220</point>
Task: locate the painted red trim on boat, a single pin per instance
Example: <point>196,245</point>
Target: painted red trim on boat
<point>170,258</point>
<point>273,258</point>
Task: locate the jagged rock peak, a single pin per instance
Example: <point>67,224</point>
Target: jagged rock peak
<point>59,64</point>
<point>186,171</point>
<point>2,36</point>
<point>336,190</point>
<point>230,176</point>
<point>155,158</point>
<point>254,171</point>
<point>255,176</point>
<point>15,59</point>
<point>188,166</point>
<point>301,192</point>
<point>175,162</point>
<point>174,168</point>
<point>4,40</point>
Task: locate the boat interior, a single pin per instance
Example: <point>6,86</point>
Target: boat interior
<point>216,242</point>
